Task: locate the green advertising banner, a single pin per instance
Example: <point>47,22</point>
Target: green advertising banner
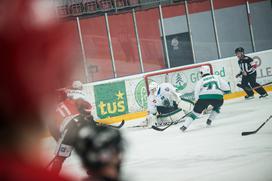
<point>141,94</point>
<point>111,99</point>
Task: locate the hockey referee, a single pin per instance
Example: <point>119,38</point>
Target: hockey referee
<point>249,75</point>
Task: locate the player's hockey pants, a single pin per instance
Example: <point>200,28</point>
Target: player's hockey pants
<point>251,80</point>
<point>202,104</point>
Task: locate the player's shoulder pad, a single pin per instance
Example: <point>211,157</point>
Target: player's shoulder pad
<point>248,58</point>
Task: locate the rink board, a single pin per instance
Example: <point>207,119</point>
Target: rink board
<point>126,98</point>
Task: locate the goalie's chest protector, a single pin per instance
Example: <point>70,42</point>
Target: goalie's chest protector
<point>164,92</point>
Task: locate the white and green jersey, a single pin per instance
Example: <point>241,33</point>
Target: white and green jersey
<point>165,92</point>
<point>211,87</point>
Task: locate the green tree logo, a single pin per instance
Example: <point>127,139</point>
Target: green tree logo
<point>180,81</point>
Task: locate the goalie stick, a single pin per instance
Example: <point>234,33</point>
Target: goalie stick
<point>253,132</point>
<point>161,129</point>
<point>173,123</point>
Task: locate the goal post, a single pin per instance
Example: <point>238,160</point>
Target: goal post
<point>182,78</point>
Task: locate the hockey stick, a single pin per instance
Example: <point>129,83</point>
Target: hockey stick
<point>112,126</point>
<point>118,126</point>
<point>253,132</point>
<point>161,129</point>
<point>250,88</point>
<point>173,123</point>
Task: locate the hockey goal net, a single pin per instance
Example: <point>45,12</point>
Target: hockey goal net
<point>182,78</point>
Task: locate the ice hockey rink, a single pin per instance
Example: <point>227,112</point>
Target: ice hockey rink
<point>207,154</point>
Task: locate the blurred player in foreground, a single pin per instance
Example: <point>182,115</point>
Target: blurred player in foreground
<point>209,90</point>
<point>100,149</point>
<point>165,105</point>
<point>35,60</point>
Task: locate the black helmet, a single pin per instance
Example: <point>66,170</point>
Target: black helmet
<point>97,145</point>
<point>239,49</point>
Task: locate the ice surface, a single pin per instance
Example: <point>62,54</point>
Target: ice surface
<point>200,154</point>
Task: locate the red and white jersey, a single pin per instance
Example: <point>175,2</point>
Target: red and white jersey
<point>65,93</point>
<point>68,109</point>
<point>70,104</point>
<point>65,111</point>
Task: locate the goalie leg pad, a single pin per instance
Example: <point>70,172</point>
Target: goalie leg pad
<point>151,120</point>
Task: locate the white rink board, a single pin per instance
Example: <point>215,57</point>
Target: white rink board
<point>226,68</point>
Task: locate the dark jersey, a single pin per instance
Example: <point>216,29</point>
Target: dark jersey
<point>71,128</point>
<point>246,65</point>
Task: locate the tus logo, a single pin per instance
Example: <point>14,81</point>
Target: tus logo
<point>111,99</point>
<point>114,106</point>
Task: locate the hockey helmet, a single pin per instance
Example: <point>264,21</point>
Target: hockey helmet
<point>77,85</point>
<point>205,70</point>
<point>97,146</point>
<point>239,49</point>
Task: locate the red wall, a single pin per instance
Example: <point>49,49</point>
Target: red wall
<point>124,41</point>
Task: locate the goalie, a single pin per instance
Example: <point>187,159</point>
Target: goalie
<point>165,105</point>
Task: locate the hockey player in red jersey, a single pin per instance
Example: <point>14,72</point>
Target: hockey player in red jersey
<point>70,101</point>
<point>71,114</point>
